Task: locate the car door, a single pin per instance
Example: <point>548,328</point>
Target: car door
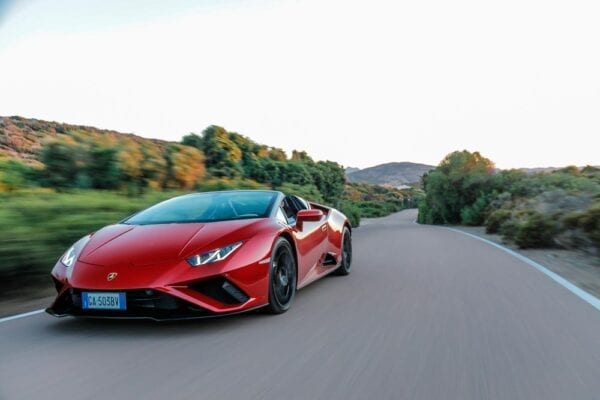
<point>310,245</point>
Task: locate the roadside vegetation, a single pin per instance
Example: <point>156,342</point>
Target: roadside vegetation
<point>59,182</point>
<point>547,209</point>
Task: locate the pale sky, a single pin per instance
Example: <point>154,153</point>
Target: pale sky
<point>360,83</point>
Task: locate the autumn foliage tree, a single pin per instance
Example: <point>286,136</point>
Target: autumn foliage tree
<point>186,166</point>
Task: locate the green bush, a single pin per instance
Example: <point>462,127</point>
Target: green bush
<point>461,179</point>
<point>474,214</point>
<point>15,175</point>
<point>39,225</point>
<point>495,220</point>
<point>228,184</point>
<point>588,221</point>
<point>537,230</point>
<point>307,192</point>
<point>352,212</point>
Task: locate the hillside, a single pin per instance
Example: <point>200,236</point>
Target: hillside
<point>59,182</point>
<point>396,174</point>
<point>22,138</point>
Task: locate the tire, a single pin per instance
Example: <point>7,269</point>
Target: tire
<point>282,277</point>
<point>344,268</point>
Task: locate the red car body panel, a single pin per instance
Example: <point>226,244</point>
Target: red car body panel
<point>154,258</point>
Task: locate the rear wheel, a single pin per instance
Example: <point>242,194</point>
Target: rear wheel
<point>282,277</point>
<point>344,268</point>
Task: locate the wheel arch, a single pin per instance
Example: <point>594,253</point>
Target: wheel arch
<point>347,225</point>
<point>290,239</point>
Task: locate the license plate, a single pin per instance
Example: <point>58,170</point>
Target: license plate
<point>103,301</point>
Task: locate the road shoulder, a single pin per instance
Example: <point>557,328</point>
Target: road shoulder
<point>576,267</point>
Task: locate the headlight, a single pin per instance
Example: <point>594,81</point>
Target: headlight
<point>69,258</point>
<point>214,255</point>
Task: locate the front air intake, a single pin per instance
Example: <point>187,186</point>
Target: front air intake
<point>221,290</point>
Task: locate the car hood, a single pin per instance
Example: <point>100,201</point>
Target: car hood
<point>140,245</point>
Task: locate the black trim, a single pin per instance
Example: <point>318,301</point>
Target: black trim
<point>145,303</point>
<point>220,289</point>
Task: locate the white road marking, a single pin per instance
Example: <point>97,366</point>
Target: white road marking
<point>582,294</point>
<point>27,314</point>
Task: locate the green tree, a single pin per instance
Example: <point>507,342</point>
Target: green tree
<point>307,192</point>
<point>15,175</point>
<point>103,168</point>
<point>295,172</point>
<point>456,183</point>
<point>60,161</point>
<point>192,140</point>
<point>329,178</point>
<point>222,154</point>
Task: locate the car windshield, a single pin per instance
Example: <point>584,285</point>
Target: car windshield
<point>207,207</point>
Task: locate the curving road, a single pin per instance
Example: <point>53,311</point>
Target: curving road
<point>427,313</point>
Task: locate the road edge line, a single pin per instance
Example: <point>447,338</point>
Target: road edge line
<point>577,291</point>
<point>18,316</point>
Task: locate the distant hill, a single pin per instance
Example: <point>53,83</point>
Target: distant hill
<point>396,174</point>
<point>22,138</point>
<point>538,170</point>
<point>350,170</point>
<point>548,169</point>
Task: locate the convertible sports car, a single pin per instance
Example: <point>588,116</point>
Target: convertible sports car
<point>202,255</point>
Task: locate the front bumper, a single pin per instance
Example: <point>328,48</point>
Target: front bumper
<point>205,298</point>
<point>147,303</point>
<point>158,305</point>
<point>170,289</point>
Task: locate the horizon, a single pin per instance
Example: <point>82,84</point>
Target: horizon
<point>407,83</point>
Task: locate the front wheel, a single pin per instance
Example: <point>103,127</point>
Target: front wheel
<point>344,268</point>
<point>282,277</point>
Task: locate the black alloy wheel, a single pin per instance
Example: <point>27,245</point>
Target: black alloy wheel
<point>344,268</point>
<point>282,277</point>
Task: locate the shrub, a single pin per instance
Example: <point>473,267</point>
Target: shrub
<point>352,212</point>
<point>307,192</point>
<point>38,225</point>
<point>588,221</point>
<point>474,214</point>
<point>495,220</point>
<point>227,184</point>
<point>537,230</point>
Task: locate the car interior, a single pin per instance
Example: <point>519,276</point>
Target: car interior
<point>291,205</point>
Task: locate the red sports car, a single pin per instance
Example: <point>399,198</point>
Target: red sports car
<point>203,254</point>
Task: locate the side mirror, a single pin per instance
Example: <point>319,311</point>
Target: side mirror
<point>311,215</point>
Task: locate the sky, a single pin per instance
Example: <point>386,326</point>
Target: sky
<point>357,82</point>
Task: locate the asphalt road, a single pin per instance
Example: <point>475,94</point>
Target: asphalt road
<point>426,313</point>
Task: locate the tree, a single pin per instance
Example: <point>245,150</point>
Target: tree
<point>153,167</point>
<point>103,168</point>
<point>456,183</point>
<point>130,161</point>
<point>186,166</point>
<point>329,178</point>
<point>60,162</point>
<point>14,175</point>
<point>276,154</point>
<point>300,156</point>
<point>221,153</point>
<point>307,192</point>
<point>295,172</point>
<point>192,140</point>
